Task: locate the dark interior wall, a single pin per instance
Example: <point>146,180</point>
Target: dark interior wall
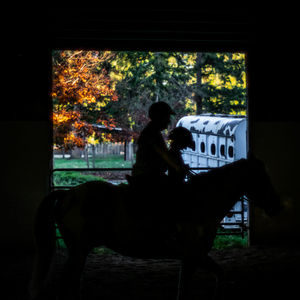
<point>26,122</point>
<point>274,129</point>
<point>26,137</point>
<point>275,125</point>
<point>275,143</point>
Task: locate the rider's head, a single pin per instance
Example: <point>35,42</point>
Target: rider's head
<point>182,138</point>
<point>160,113</point>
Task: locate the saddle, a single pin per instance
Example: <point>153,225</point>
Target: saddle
<point>154,199</point>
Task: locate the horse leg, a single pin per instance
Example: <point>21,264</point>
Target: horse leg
<point>187,270</point>
<point>43,267</point>
<point>70,283</point>
<point>210,265</point>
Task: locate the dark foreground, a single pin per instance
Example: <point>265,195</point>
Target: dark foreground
<point>257,272</point>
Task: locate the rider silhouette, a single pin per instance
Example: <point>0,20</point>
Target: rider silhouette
<point>154,190</point>
<point>152,157</point>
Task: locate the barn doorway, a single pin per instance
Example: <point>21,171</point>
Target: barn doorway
<point>101,101</point>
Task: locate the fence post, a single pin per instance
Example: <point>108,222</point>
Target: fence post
<point>125,150</point>
<point>87,156</point>
<point>93,156</point>
<point>128,151</point>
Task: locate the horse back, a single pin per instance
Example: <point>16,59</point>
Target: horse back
<point>95,197</point>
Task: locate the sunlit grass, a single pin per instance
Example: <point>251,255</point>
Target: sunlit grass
<point>230,241</point>
<point>115,161</point>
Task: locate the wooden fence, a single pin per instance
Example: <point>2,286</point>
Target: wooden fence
<point>102,150</point>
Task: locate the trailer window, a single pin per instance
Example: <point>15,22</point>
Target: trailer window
<point>230,151</point>
<point>202,147</point>
<point>222,150</point>
<point>213,149</point>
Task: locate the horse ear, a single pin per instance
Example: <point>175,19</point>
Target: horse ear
<point>251,155</point>
<point>255,160</point>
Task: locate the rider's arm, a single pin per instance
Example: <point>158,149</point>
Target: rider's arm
<point>163,153</point>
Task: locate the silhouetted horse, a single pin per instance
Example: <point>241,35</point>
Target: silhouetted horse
<point>100,213</point>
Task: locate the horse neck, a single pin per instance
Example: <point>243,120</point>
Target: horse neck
<point>222,187</point>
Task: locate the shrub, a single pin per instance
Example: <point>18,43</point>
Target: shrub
<point>72,178</point>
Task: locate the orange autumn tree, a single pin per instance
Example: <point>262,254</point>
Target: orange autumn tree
<point>80,90</point>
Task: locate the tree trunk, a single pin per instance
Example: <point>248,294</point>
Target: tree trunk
<point>197,97</point>
<point>93,156</point>
<point>87,156</point>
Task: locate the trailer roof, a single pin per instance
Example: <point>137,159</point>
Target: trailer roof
<point>225,125</point>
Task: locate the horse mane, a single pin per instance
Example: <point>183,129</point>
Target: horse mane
<point>214,174</point>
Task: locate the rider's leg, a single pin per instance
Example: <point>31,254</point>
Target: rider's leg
<point>187,270</point>
<point>70,283</point>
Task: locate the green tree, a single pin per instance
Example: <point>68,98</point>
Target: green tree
<point>220,85</point>
<point>190,82</point>
<point>146,77</point>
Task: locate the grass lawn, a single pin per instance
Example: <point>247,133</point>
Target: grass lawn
<point>230,241</point>
<point>116,161</point>
<point>73,178</point>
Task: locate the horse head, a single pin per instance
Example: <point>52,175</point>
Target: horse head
<point>261,191</point>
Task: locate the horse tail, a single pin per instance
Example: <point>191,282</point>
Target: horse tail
<point>45,242</point>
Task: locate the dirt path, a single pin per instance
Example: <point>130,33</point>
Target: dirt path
<point>251,273</point>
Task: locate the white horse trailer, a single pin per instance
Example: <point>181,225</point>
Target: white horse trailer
<point>219,140</point>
